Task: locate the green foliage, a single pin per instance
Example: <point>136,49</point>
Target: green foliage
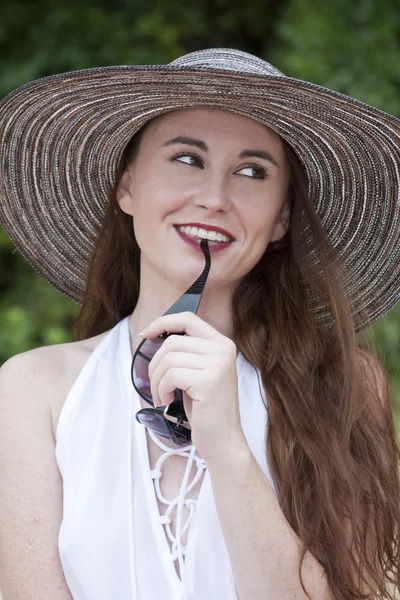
<point>350,47</point>
<point>32,313</point>
<point>387,338</point>
<point>42,37</point>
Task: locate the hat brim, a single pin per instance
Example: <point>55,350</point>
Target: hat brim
<point>62,137</point>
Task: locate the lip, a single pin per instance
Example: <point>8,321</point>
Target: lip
<point>195,244</point>
<point>208,228</point>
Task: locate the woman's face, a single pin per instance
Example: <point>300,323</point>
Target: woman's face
<point>229,172</point>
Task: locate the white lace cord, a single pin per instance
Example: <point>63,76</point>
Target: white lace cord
<point>181,500</point>
<point>177,547</point>
<point>156,475</point>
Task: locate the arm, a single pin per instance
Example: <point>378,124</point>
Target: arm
<point>31,485</point>
<point>262,547</point>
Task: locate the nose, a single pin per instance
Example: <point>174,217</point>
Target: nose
<point>213,194</point>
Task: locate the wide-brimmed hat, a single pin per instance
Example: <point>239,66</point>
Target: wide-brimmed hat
<point>61,138</point>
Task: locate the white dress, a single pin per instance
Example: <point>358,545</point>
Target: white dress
<point>112,539</point>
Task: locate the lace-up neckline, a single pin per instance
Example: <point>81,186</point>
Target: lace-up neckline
<point>178,550</point>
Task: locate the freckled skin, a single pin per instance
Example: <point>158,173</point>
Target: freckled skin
<point>213,186</point>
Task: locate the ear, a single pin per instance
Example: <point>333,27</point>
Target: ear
<point>124,193</point>
<point>282,225</point>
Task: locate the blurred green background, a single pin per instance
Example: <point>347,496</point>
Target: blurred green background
<point>352,47</point>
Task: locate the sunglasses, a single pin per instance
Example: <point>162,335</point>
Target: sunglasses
<point>167,421</point>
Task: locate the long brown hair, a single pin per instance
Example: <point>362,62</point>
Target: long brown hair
<point>331,440</point>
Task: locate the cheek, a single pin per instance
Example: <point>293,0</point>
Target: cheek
<point>169,196</point>
<point>266,208</point>
<point>155,212</point>
<point>260,217</point>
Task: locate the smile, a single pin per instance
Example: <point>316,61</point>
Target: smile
<point>194,240</point>
<point>203,234</point>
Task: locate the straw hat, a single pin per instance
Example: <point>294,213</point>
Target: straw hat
<point>62,136</point>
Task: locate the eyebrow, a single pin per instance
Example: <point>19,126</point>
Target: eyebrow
<point>248,153</point>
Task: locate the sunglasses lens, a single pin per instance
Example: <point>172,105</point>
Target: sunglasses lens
<point>140,372</point>
<point>157,423</point>
<point>151,417</point>
<point>154,421</point>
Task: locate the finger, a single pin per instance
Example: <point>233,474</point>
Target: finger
<point>184,322</point>
<point>181,344</point>
<point>178,377</point>
<point>173,360</point>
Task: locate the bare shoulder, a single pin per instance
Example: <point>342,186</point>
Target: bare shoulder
<point>33,388</point>
<point>49,370</point>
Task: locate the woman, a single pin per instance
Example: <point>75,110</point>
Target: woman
<point>296,491</point>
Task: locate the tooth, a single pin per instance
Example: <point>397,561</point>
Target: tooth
<point>203,233</point>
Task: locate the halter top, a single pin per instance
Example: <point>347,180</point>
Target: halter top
<point>112,540</point>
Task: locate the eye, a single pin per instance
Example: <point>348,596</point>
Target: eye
<point>259,172</point>
<point>191,159</point>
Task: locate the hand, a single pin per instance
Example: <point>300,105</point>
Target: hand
<point>203,365</point>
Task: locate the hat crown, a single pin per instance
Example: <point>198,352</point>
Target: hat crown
<point>227,58</point>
